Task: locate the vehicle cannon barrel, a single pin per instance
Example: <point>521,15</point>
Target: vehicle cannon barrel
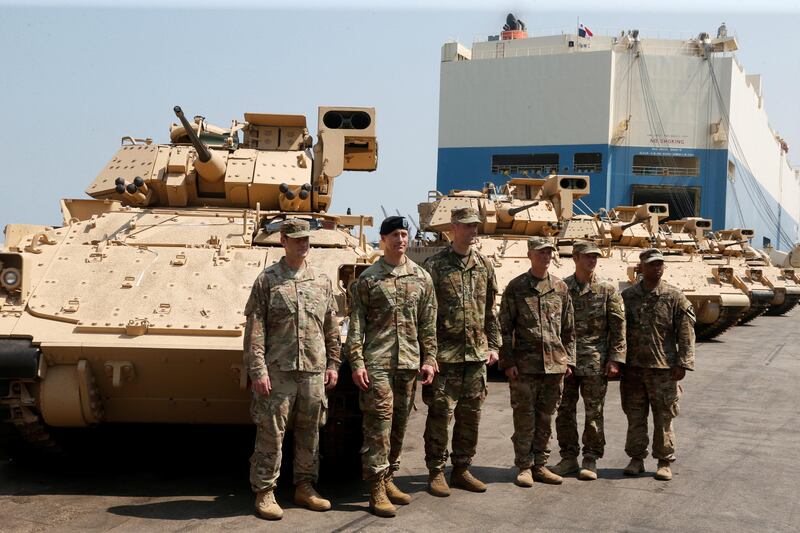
<point>208,164</point>
<point>514,210</point>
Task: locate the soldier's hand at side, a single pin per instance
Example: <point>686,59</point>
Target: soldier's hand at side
<point>512,373</point>
<point>361,379</point>
<point>678,373</point>
<point>568,373</point>
<point>262,386</point>
<point>492,359</point>
<point>427,372</point>
<point>331,378</point>
<point>612,369</point>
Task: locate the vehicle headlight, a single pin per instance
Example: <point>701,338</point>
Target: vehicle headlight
<point>10,279</point>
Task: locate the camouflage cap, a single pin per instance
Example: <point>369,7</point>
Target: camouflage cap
<point>650,255</point>
<point>295,228</point>
<point>465,215</point>
<point>540,243</point>
<point>585,247</point>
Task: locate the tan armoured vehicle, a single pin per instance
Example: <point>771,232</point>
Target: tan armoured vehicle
<point>544,207</point>
<point>132,311</point>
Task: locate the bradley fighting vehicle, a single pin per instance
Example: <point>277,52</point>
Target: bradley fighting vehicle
<point>544,207</point>
<point>132,311</point>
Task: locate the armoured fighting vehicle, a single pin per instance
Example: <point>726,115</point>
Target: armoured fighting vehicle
<point>544,207</point>
<point>132,311</point>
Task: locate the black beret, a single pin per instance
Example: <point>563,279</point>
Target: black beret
<point>392,223</point>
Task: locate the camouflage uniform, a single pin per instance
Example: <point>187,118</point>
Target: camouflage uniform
<point>466,329</point>
<point>392,328</point>
<point>292,336</point>
<point>536,321</point>
<point>599,338</point>
<point>660,336</point>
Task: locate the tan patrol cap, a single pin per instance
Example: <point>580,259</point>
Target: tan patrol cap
<point>586,247</point>
<point>540,243</point>
<point>295,228</point>
<point>465,215</point>
<point>650,255</point>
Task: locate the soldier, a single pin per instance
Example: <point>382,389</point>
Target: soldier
<point>660,351</point>
<point>538,350</point>
<point>291,352</point>
<point>600,348</point>
<point>467,335</point>
<point>391,338</point>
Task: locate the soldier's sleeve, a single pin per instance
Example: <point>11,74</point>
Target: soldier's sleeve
<point>615,318</point>
<point>568,328</point>
<point>490,324</point>
<point>333,346</point>
<point>426,327</point>
<point>684,321</point>
<point>354,345</point>
<point>255,331</point>
<point>508,321</point>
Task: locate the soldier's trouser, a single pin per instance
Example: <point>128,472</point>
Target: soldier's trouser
<point>593,390</point>
<point>650,388</point>
<point>534,399</point>
<point>385,406</point>
<point>458,389</point>
<point>298,401</point>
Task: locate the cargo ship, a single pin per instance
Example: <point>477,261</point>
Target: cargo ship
<point>675,121</point>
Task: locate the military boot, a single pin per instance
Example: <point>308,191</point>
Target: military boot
<point>437,485</point>
<point>635,467</point>
<point>588,470</point>
<point>543,475</point>
<point>462,478</point>
<point>524,478</point>
<point>664,473</point>
<point>379,503</point>
<point>567,465</point>
<point>306,496</point>
<point>395,495</point>
<point>267,507</point>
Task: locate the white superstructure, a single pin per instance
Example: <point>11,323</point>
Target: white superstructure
<point>650,120</point>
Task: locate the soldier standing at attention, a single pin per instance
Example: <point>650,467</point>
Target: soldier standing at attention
<point>538,350</point>
<point>291,353</point>
<point>391,339</point>
<point>660,351</point>
<point>600,349</point>
<point>468,340</point>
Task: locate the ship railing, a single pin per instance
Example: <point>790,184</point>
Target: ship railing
<point>639,170</point>
<point>522,169</point>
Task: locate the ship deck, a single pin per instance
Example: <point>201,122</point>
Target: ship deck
<point>737,435</point>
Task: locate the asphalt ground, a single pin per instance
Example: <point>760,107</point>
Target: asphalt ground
<point>737,439</point>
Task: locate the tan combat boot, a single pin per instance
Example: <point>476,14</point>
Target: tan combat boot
<point>395,495</point>
<point>462,478</point>
<point>524,478</point>
<point>664,473</point>
<point>635,467</point>
<point>306,496</point>
<point>543,475</point>
<point>437,485</point>
<point>567,465</point>
<point>267,507</point>
<point>588,470</point>
<point>379,503</point>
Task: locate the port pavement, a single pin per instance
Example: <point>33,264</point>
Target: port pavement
<point>736,470</point>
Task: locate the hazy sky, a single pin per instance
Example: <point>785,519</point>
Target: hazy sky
<point>78,77</point>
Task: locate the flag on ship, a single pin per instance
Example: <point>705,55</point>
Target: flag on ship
<point>583,31</point>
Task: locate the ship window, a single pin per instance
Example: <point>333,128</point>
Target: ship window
<point>588,162</point>
<point>525,164</point>
<point>666,165</point>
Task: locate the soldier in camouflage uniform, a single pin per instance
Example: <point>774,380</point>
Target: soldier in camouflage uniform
<point>391,338</point>
<point>600,349</point>
<point>660,351</point>
<point>468,340</point>
<point>538,329</point>
<point>291,353</point>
